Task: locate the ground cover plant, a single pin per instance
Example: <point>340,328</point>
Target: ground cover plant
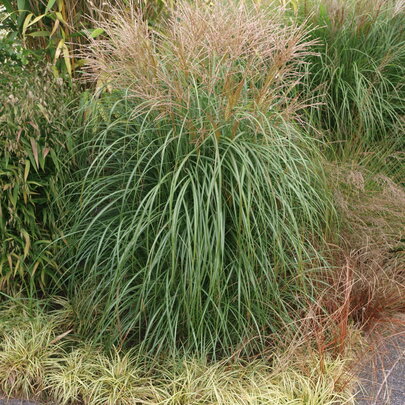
<point>39,358</point>
<point>187,225</point>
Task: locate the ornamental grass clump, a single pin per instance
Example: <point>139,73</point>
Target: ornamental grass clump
<point>198,199</point>
<point>41,359</point>
<point>356,78</point>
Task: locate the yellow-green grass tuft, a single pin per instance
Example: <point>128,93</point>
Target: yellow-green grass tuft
<point>36,361</point>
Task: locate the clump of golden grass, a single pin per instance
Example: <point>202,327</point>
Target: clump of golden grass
<point>27,354</point>
<point>86,375</point>
<point>70,377</point>
<point>38,361</point>
<point>255,382</point>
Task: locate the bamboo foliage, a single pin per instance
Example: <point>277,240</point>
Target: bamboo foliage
<point>31,132</point>
<point>57,26</point>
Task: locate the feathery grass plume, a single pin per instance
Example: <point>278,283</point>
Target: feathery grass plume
<point>206,64</point>
<point>198,197</point>
<point>356,80</point>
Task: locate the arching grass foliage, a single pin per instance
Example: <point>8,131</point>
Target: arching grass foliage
<point>356,78</point>
<point>198,197</point>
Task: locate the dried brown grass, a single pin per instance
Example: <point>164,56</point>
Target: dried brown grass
<point>373,207</point>
<point>366,288</point>
<point>374,245</point>
<point>363,295</point>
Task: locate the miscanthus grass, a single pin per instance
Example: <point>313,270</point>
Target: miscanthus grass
<point>355,80</point>
<point>199,202</point>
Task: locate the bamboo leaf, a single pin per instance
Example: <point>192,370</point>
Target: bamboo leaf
<point>66,57</point>
<point>41,161</point>
<point>36,19</point>
<point>26,23</point>
<point>45,152</point>
<point>22,10</point>
<point>10,262</point>
<point>59,16</point>
<point>49,5</point>
<point>34,269</point>
<point>22,5</point>
<point>55,71</point>
<point>62,31</point>
<point>55,27</point>
<point>27,240</point>
<point>34,147</point>
<point>58,50</point>
<point>54,159</point>
<point>39,34</point>
<point>26,170</point>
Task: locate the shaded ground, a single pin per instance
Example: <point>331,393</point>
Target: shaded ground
<point>383,374</point>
